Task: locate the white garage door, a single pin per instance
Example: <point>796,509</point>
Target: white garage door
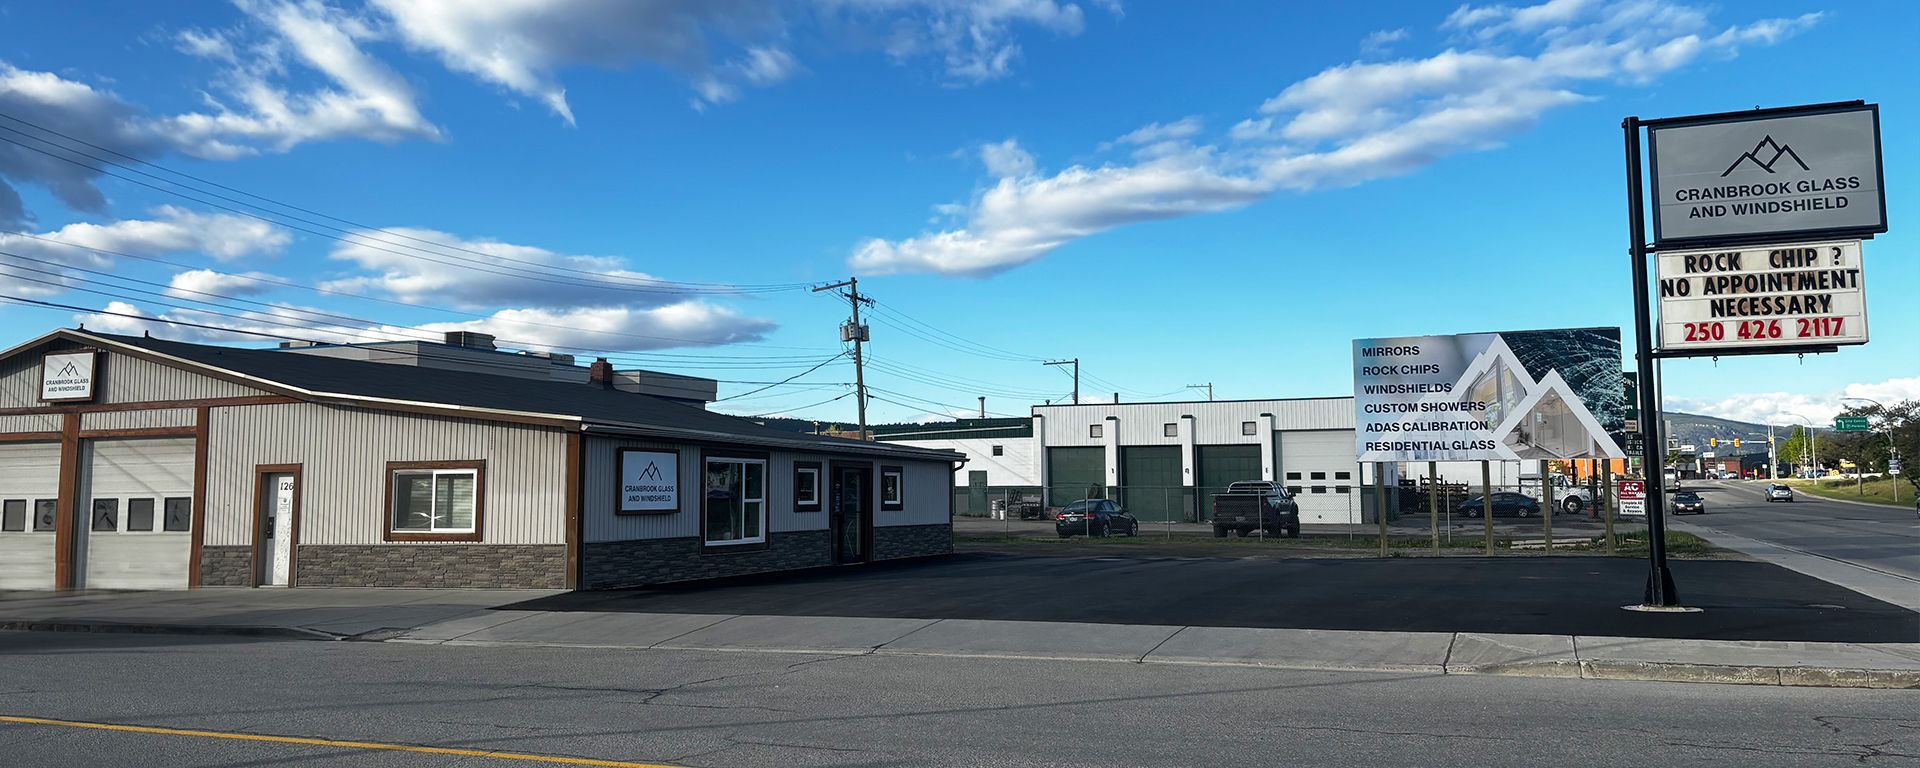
<point>137,499</point>
<point>29,504</point>
<point>1319,468</point>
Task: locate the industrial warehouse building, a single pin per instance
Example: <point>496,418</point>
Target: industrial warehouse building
<point>137,463</point>
<point>1162,461</point>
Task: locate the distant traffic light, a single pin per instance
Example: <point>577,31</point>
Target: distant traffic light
<point>1713,442</point>
<point>1736,442</point>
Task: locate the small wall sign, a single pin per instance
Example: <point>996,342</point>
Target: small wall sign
<point>649,481</point>
<point>68,377</point>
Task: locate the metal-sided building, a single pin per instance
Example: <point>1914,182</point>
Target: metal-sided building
<point>136,463</point>
<point>1163,460</point>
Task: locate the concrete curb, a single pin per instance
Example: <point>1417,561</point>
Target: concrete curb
<point>1804,677</point>
<point>108,627</point>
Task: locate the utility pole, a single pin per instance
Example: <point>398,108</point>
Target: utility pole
<point>1076,376</point>
<point>856,333</point>
<point>1208,387</point>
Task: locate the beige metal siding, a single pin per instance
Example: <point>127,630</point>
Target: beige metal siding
<point>132,380</point>
<point>781,516</point>
<point>124,470</point>
<point>927,491</point>
<point>20,376</point>
<point>343,453</point>
<point>29,472</point>
<point>169,417</point>
<point>34,422</point>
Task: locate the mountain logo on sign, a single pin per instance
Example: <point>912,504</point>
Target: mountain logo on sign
<point>652,473</point>
<point>68,369</point>
<point>1779,151</point>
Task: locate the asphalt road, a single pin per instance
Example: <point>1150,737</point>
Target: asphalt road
<point>1518,595</point>
<point>1885,539</point>
<point>747,710</point>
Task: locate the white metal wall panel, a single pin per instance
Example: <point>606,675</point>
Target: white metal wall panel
<point>167,417</point>
<point>1216,423</point>
<point>602,483</point>
<point>20,378</point>
<point>926,493</point>
<point>343,453</point>
<point>1329,451</point>
<point>1015,465</point>
<point>28,472</point>
<point>123,470</point>
<point>32,422</point>
<point>126,379</point>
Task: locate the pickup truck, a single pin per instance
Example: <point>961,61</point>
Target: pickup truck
<point>1256,506</point>
<point>1572,499</point>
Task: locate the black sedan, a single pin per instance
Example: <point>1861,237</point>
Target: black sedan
<point>1505,503</point>
<point>1095,517</point>
<point>1686,502</point>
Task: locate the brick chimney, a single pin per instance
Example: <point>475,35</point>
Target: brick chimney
<point>601,372</point>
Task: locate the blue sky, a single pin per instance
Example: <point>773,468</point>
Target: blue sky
<point>1174,193</point>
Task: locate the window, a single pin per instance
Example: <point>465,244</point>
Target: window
<point>1170,430</point>
<point>106,514</point>
<point>14,518</point>
<point>179,513</point>
<point>140,514</point>
<point>1343,489</point>
<point>1293,490</point>
<point>1318,476</point>
<point>46,514</point>
<point>1319,489</point>
<point>427,501</point>
<point>1343,475</point>
<point>1249,428</point>
<point>1094,431</point>
<point>735,501</point>
<point>892,494</point>
<point>999,450</point>
<point>806,487</point>
<point>1293,475</point>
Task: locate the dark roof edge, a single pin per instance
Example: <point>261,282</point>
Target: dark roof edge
<point>852,446</point>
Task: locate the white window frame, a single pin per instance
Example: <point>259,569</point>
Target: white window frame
<point>1094,432</point>
<point>1249,428</point>
<point>1170,429</point>
<point>899,478</point>
<point>432,529</point>
<point>746,502</point>
<point>811,498</point>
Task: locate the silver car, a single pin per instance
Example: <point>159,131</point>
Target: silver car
<point>1778,492</point>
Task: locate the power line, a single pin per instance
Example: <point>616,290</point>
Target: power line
<point>822,364</point>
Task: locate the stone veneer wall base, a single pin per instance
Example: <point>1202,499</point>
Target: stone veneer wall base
<point>444,566</point>
<point>615,564</point>
<point>898,541</point>
<point>226,566</point>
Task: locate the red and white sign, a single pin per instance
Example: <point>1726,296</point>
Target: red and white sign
<point>1633,497</point>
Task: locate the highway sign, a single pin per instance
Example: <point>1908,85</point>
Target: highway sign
<point>1633,497</point>
<point>1850,424</point>
<point>1636,444</point>
<point>1719,300</point>
<point>1751,177</point>
<point>1893,467</point>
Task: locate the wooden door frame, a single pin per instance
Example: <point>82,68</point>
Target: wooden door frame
<point>260,562</point>
<point>867,507</point>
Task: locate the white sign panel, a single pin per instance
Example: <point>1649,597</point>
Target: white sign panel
<point>1736,298</point>
<point>1633,497</point>
<point>1814,173</point>
<point>649,481</point>
<point>67,376</point>
<point>1488,396</point>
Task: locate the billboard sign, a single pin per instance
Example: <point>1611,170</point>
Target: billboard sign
<point>1718,299</point>
<point>1633,497</point>
<point>1777,176</point>
<point>67,377</point>
<point>649,482</point>
<point>1489,396</point>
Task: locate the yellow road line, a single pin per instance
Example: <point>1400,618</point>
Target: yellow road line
<point>332,743</point>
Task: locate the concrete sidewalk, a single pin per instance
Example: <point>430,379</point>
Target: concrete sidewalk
<point>466,617</point>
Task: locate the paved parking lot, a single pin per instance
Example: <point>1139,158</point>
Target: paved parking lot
<point>1541,595</point>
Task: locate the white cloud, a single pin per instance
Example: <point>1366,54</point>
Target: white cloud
<point>198,283</point>
<point>174,230</point>
<point>1381,42</point>
<point>678,325</point>
<point>1006,159</point>
<point>481,273</point>
<point>1346,125</point>
<point>1794,408</point>
<point>973,37</point>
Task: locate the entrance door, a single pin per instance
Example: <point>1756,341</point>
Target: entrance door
<point>852,513</point>
<point>279,491</point>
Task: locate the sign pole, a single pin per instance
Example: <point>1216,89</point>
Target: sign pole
<point>1380,502</point>
<point>1486,501</point>
<point>1433,502</point>
<point>1546,504</point>
<point>1659,592</point>
<point>1606,503</point>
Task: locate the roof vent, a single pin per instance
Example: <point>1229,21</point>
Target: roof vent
<point>470,340</point>
<point>298,344</point>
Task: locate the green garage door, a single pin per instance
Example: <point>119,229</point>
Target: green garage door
<point>1070,471</point>
<point>1150,483</point>
<point>1221,465</point>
